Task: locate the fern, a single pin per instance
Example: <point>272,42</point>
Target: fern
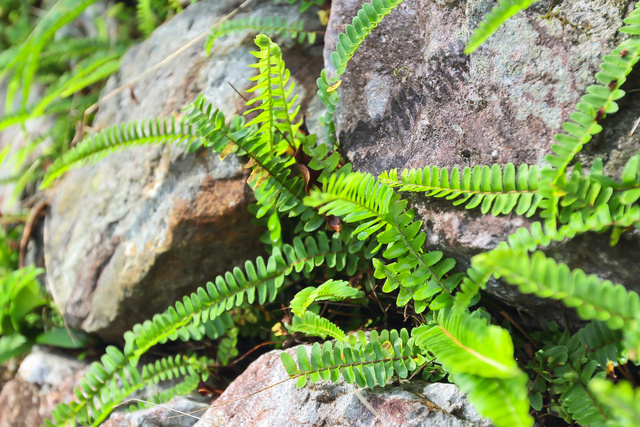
<point>503,401</point>
<point>117,137</point>
<point>270,173</point>
<point>358,197</point>
<point>275,26</point>
<point>349,41</point>
<point>592,298</point>
<point>493,189</point>
<point>108,383</point>
<point>312,324</point>
<point>25,63</point>
<point>331,290</point>
<point>147,20</point>
<point>599,101</point>
<point>622,399</point>
<point>259,282</point>
<point>480,357</point>
<point>366,362</point>
<point>304,4</point>
<point>275,104</point>
<point>500,13</point>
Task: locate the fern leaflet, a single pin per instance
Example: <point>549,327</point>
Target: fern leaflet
<point>493,189</point>
<point>366,362</point>
<point>125,135</point>
<point>622,399</point>
<point>314,325</point>
<point>500,13</point>
<point>275,26</point>
<point>349,41</point>
<point>331,290</point>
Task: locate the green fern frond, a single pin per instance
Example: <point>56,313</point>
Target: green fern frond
<point>599,101</point>
<point>602,343</point>
<point>358,197</point>
<point>331,290</point>
<point>275,105</point>
<point>147,19</point>
<point>125,135</point>
<point>591,297</point>
<point>622,399</point>
<point>24,65</point>
<point>313,325</point>
<point>349,41</point>
<point>107,384</point>
<point>577,401</point>
<point>69,48</point>
<point>493,189</point>
<point>500,13</point>
<point>465,343</point>
<point>260,281</point>
<point>304,4</point>
<point>273,26</point>
<point>503,401</point>
<point>366,362</point>
<point>480,359</point>
<point>270,173</point>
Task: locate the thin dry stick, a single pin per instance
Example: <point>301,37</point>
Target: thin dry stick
<point>635,125</point>
<point>169,58</point>
<point>28,227</point>
<point>369,407</point>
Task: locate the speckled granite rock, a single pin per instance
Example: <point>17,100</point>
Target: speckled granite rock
<point>327,404</point>
<point>128,236</point>
<point>44,379</point>
<point>159,415</point>
<point>410,97</point>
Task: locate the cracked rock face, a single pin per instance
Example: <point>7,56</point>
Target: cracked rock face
<point>128,236</point>
<point>327,404</point>
<point>411,98</point>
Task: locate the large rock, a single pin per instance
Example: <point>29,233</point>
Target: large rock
<point>410,97</point>
<point>44,379</point>
<point>165,415</point>
<point>261,396</point>
<point>128,236</point>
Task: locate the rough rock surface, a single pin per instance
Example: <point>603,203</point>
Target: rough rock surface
<point>44,379</point>
<point>410,97</point>
<point>325,403</point>
<point>159,415</point>
<point>128,236</point>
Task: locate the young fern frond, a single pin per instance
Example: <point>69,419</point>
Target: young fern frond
<point>500,13</point>
<point>599,101</point>
<point>493,189</point>
<point>622,400</point>
<point>331,290</point>
<point>358,197</point>
<point>366,362</point>
<point>591,297</point>
<point>276,111</point>
<point>275,26</point>
<point>313,325</point>
<point>578,402</point>
<point>349,41</point>
<point>125,135</point>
